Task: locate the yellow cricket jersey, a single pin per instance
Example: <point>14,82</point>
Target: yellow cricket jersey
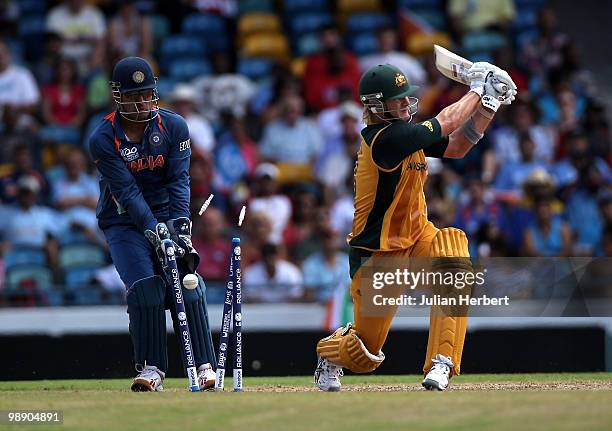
<point>390,173</point>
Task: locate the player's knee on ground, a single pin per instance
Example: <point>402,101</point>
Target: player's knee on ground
<point>345,348</point>
<point>145,300</point>
<point>449,250</point>
<point>199,327</point>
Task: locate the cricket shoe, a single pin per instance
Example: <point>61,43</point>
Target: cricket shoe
<point>439,375</point>
<point>206,377</point>
<point>150,379</point>
<point>327,375</point>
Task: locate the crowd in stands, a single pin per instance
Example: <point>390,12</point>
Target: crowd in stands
<point>269,91</point>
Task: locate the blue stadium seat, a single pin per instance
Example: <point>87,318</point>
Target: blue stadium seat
<point>165,86</point>
<point>482,42</point>
<point>24,256</point>
<point>32,7</point>
<point>363,43</point>
<point>160,26</point>
<point>526,20</point>
<point>75,255</point>
<point>186,69</point>
<point>59,134</point>
<point>421,4</point>
<point>183,46</point>
<point>255,68</point>
<point>433,17</point>
<point>78,277</point>
<point>31,24</point>
<point>292,6</point>
<point>198,23</point>
<point>247,6</point>
<point>308,44</point>
<point>87,296</point>
<point>308,22</point>
<point>360,22</point>
<point>40,275</point>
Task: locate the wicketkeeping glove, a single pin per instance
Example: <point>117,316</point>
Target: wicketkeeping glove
<point>180,232</point>
<point>155,240</point>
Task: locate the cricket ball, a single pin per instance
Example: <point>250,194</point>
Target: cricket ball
<point>190,281</point>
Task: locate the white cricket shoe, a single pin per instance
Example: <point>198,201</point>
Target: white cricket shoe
<point>150,379</point>
<point>206,377</point>
<point>439,375</point>
<point>327,375</point>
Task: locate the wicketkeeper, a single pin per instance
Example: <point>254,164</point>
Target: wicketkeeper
<point>142,153</point>
<point>391,213</point>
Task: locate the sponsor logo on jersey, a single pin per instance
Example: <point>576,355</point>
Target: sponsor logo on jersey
<point>184,145</point>
<point>417,166</point>
<point>129,154</point>
<point>155,139</point>
<point>148,162</point>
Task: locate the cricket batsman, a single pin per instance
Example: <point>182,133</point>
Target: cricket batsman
<point>142,153</point>
<point>391,213</point>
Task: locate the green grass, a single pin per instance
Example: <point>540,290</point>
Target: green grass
<point>108,404</point>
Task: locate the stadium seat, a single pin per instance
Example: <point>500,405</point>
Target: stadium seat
<point>258,23</point>
<point>31,24</point>
<point>32,7</point>
<point>526,20</point>
<point>268,45</point>
<point>433,17</point>
<point>203,24</point>
<point>160,26</point>
<point>183,46</point>
<point>482,42</point>
<point>247,6</point>
<point>77,278</point>
<point>293,6</point>
<point>165,86</point>
<point>308,44</point>
<point>308,22</point>
<point>348,7</point>
<point>24,256</point>
<point>363,43</point>
<point>39,275</point>
<point>421,44</point>
<point>90,295</point>
<point>255,68</point>
<point>59,134</point>
<point>362,22</point>
<point>74,255</point>
<point>185,69</point>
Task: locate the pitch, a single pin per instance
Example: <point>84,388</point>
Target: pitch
<point>475,402</point>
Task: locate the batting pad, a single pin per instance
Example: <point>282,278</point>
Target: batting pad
<point>199,327</point>
<point>145,301</point>
<point>447,328</point>
<point>345,348</point>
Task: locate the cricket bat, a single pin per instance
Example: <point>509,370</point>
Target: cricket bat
<point>451,65</point>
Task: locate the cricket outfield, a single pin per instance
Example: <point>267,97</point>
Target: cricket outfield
<point>475,402</point>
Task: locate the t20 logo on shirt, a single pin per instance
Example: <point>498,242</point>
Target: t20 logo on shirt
<point>129,154</point>
<point>184,145</point>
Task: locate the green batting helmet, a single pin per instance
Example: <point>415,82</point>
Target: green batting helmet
<point>383,82</point>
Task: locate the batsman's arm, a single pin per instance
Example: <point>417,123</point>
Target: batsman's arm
<point>453,116</point>
<point>177,175</point>
<point>470,132</point>
<point>122,184</point>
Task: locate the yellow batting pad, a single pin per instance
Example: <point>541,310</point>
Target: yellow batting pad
<point>447,330</point>
<point>345,348</point>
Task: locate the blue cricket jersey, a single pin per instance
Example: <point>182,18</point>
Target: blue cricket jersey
<point>142,183</point>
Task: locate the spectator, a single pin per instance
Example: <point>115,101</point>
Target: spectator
<point>330,121</point>
<point>513,174</point>
<point>293,138</point>
<point>129,33</point>
<point>524,120</point>
<point>330,70</point>
<point>548,235</point>
<point>273,279</point>
<point>212,245</point>
<point>44,68</point>
<point>579,160</point>
<point>479,211</point>
<point>476,15</point>
<point>76,193</point>
<point>183,100</point>
<point>327,270</point>
<point>64,97</point>
<point>236,155</point>
<point>388,53</point>
<point>268,201</point>
<point>82,28</point>
<point>19,96</point>
<point>337,159</point>
<point>26,224</point>
<point>258,228</point>
<point>201,174</point>
<point>22,165</point>
<point>300,235</point>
